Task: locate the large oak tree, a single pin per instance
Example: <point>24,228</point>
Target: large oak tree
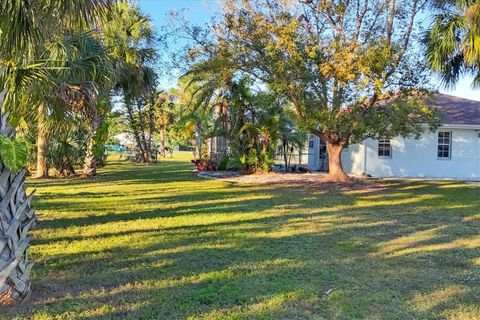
<point>351,68</point>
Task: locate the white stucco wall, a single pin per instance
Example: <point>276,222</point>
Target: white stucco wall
<point>313,145</point>
<point>413,158</point>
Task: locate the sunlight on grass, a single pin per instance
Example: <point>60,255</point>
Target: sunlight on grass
<point>157,242</point>
<point>428,301</point>
<point>417,243</point>
<point>267,308</point>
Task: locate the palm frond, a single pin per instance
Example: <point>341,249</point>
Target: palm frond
<point>27,24</point>
<point>453,41</point>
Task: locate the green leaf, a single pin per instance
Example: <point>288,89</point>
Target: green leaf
<point>13,153</point>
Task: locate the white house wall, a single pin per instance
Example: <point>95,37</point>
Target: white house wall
<point>352,158</point>
<point>412,157</point>
<point>418,158</point>
<point>313,150</point>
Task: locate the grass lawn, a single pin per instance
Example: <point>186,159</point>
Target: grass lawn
<point>156,242</point>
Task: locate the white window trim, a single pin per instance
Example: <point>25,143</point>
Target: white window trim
<point>378,149</point>
<point>450,145</point>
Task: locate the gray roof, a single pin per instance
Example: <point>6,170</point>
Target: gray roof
<point>455,110</point>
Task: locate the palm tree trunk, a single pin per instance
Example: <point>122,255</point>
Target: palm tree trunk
<point>198,138</point>
<point>90,164</point>
<point>142,125</point>
<point>151,131</point>
<point>42,141</point>
<point>163,147</point>
<point>16,218</point>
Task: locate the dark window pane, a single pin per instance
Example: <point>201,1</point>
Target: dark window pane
<point>384,148</point>
<point>444,144</point>
<point>444,151</point>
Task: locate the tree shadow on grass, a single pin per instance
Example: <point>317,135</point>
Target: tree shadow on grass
<point>408,251</point>
<point>124,173</point>
<point>199,280</point>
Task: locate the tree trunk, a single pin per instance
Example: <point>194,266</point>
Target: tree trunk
<point>161,138</point>
<point>290,153</point>
<point>285,156</point>
<point>211,151</point>
<point>145,142</point>
<point>90,164</point>
<point>70,169</point>
<point>16,218</point>
<point>135,127</point>
<point>198,138</point>
<point>42,140</point>
<point>335,169</point>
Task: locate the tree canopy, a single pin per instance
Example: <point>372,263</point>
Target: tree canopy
<point>350,68</point>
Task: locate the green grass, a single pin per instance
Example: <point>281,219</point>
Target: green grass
<point>156,242</point>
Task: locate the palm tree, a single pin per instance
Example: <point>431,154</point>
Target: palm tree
<point>209,92</point>
<point>85,86</point>
<point>290,138</point>
<point>25,26</point>
<point>453,41</point>
<point>131,36</point>
<point>79,70</point>
<point>164,106</point>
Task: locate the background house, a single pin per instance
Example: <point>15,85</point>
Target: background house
<point>453,151</point>
<point>126,139</point>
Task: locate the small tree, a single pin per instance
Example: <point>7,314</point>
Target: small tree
<point>290,138</point>
<point>348,67</point>
<point>253,125</point>
<point>164,119</point>
<point>141,118</point>
<point>131,36</point>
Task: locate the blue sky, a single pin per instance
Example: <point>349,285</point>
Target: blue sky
<point>200,12</point>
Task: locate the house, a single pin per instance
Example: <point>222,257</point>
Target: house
<point>453,151</point>
<point>217,147</point>
<point>126,139</point>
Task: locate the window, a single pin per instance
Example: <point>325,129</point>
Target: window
<point>279,152</point>
<point>444,150</point>
<point>310,144</point>
<point>384,148</point>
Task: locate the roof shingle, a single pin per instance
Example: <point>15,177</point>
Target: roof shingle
<point>455,110</point>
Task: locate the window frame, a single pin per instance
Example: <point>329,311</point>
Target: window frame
<point>443,144</point>
<point>381,146</point>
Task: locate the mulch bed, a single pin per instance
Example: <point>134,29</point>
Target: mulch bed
<point>315,179</point>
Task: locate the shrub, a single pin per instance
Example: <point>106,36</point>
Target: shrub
<point>223,163</point>
<point>205,165</point>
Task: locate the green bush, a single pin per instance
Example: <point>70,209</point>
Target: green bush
<point>251,162</point>
<point>234,163</point>
<point>223,163</point>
